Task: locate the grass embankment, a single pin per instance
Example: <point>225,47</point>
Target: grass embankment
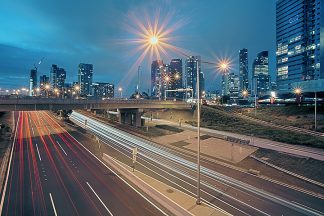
<point>218,120</point>
<point>302,116</point>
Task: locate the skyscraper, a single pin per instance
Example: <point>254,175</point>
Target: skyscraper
<point>32,82</point>
<point>85,74</point>
<point>244,70</point>
<point>176,76</point>
<point>225,84</point>
<point>300,51</point>
<point>157,68</point>
<point>43,81</point>
<point>57,77</point>
<point>103,90</point>
<point>191,74</point>
<point>260,72</point>
<point>234,86</point>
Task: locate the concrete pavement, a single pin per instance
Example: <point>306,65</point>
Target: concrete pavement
<point>302,151</point>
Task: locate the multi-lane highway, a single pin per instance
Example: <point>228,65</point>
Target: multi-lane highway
<point>247,195</point>
<point>51,173</point>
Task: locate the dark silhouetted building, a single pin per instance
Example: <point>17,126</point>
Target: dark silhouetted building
<point>243,70</point>
<point>260,73</point>
<point>32,82</point>
<point>103,90</point>
<point>300,51</point>
<point>85,74</point>
<point>43,81</point>
<point>157,68</point>
<point>57,77</point>
<point>176,76</point>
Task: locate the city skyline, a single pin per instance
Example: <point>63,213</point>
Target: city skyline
<point>103,48</point>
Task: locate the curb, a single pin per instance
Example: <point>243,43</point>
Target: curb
<point>3,168</point>
<point>288,172</point>
<point>164,201</point>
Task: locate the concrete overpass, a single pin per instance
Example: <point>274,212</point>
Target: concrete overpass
<point>129,111</point>
<point>22,104</point>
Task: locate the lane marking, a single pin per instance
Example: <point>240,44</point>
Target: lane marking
<point>33,131</point>
<point>99,199</point>
<point>61,147</point>
<point>9,165</point>
<point>138,192</point>
<point>54,209</point>
<point>38,153</point>
<point>321,213</point>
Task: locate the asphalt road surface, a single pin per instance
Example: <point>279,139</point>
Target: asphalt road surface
<point>52,174</point>
<point>241,194</point>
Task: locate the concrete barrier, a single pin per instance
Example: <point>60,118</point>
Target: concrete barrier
<point>3,167</point>
<point>164,201</point>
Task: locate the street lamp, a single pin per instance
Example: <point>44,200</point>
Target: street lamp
<point>154,40</point>
<point>47,87</point>
<point>120,89</point>
<point>223,66</point>
<point>298,92</point>
<point>245,93</point>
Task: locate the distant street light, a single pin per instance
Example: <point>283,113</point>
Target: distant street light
<point>120,89</point>
<point>298,92</point>
<point>245,93</point>
<point>47,87</point>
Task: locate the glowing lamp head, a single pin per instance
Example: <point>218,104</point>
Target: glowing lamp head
<point>297,91</point>
<point>273,94</point>
<point>224,66</point>
<point>245,93</point>
<point>120,89</point>
<point>154,40</point>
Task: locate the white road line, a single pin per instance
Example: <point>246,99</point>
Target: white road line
<point>54,209</point>
<point>61,147</point>
<point>99,199</point>
<point>138,192</point>
<point>33,131</point>
<point>8,169</point>
<point>38,153</point>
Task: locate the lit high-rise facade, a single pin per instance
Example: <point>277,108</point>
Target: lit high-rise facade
<point>57,77</point>
<point>32,82</point>
<point>260,73</point>
<point>103,90</point>
<point>300,51</point>
<point>191,74</point>
<point>243,69</point>
<point>157,68</point>
<point>85,74</point>
<point>176,75</point>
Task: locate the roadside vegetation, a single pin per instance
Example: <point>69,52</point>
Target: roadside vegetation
<point>302,116</point>
<point>218,120</point>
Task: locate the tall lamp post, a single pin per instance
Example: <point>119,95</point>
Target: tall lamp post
<point>153,41</point>
<point>223,66</point>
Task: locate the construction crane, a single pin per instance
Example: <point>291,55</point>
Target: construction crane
<point>40,62</point>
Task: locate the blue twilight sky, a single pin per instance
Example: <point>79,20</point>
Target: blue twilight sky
<point>68,32</point>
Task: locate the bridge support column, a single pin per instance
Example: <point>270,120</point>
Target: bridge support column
<point>130,117</point>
